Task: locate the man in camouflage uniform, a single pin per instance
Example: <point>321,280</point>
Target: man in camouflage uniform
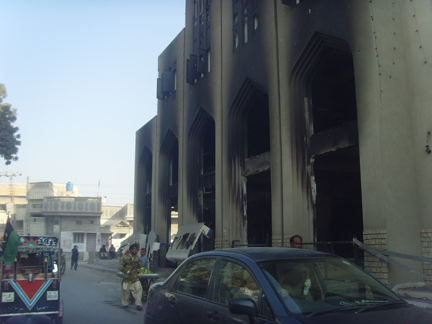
<point>130,265</point>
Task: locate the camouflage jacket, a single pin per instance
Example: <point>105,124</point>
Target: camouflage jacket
<point>130,266</point>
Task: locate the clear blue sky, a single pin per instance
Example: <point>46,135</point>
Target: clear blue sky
<point>82,75</point>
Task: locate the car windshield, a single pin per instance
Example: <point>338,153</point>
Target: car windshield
<point>311,286</point>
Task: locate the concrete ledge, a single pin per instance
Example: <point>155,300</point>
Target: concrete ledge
<point>408,285</point>
<point>420,303</point>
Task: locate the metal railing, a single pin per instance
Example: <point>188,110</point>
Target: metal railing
<point>384,255</point>
<point>356,256</point>
<point>357,253</point>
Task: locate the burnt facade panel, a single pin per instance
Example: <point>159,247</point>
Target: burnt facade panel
<point>293,117</point>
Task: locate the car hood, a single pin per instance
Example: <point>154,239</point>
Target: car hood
<point>402,315</point>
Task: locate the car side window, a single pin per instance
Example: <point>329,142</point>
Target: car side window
<point>195,277</point>
<point>234,281</point>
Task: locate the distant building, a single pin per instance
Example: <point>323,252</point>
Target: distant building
<point>58,209</point>
<point>75,219</point>
<point>116,224</point>
<point>12,200</point>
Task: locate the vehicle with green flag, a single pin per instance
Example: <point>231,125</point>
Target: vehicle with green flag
<point>10,242</point>
<point>30,277</point>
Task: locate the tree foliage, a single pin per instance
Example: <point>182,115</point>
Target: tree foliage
<point>9,139</point>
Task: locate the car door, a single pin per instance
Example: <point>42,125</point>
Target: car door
<point>233,280</point>
<point>185,302</point>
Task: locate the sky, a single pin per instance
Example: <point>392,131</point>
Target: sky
<point>82,76</point>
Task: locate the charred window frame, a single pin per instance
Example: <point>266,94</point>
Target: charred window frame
<point>198,65</point>
<point>174,161</point>
<point>208,153</point>
<point>291,3</point>
<point>245,22</point>
<point>167,83</point>
<point>148,177</point>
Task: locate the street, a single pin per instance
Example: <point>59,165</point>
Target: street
<point>90,296</point>
<point>94,296</point>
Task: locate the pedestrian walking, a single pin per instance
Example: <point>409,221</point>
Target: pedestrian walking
<point>130,265</point>
<point>75,254</point>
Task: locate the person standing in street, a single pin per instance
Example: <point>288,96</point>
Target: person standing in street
<point>130,265</point>
<point>143,258</point>
<point>75,255</point>
<point>296,242</point>
<point>112,251</point>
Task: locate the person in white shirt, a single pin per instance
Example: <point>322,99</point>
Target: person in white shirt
<point>143,258</point>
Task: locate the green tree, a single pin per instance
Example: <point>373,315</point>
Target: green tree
<point>9,140</point>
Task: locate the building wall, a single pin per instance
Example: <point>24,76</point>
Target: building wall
<point>13,191</point>
<point>37,226</point>
<point>108,212</point>
<point>73,223</point>
<point>387,43</point>
<point>144,159</point>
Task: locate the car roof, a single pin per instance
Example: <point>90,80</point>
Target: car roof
<point>260,254</point>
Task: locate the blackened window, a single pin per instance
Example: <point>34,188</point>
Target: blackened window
<point>174,166</point>
<point>202,35</point>
<point>245,21</point>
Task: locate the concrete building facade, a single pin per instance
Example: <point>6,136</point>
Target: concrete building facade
<point>116,224</point>
<point>45,208</point>
<point>294,117</point>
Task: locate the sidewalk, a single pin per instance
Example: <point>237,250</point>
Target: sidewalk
<point>417,294</point>
<point>112,265</point>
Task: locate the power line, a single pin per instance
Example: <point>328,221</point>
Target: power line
<point>4,167</point>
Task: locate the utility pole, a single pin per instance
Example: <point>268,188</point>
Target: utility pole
<point>12,193</point>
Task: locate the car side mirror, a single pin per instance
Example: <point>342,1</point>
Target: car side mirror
<point>244,306</point>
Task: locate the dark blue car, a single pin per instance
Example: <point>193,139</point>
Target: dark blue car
<point>275,285</point>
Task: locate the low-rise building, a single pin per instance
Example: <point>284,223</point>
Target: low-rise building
<point>46,208</point>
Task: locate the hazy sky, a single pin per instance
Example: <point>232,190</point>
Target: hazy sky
<point>82,74</point>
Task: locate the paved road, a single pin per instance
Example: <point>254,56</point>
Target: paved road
<point>90,296</point>
<point>93,296</point>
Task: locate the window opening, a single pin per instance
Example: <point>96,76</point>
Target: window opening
<point>255,22</point>
<point>201,42</point>
<point>78,237</point>
<point>329,85</point>
<point>258,126</point>
<point>333,91</point>
<point>245,31</point>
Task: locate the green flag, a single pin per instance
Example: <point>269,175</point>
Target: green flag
<point>9,247</point>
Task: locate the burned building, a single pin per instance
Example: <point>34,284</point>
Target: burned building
<point>294,117</point>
